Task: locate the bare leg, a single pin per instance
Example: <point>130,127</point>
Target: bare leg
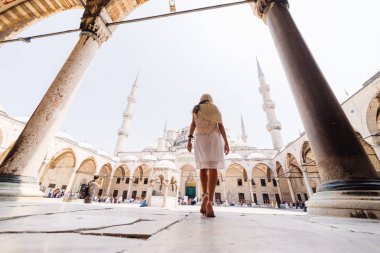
<point>212,178</point>
<point>204,180</point>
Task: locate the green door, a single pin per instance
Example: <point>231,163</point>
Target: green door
<point>190,191</point>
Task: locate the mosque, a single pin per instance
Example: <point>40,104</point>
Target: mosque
<point>165,170</point>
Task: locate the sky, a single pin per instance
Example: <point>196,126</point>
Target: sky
<point>182,57</point>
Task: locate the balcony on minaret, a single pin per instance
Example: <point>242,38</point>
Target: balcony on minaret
<point>122,132</point>
<point>274,126</point>
<point>131,99</point>
<point>269,105</point>
<point>127,114</point>
<point>264,88</point>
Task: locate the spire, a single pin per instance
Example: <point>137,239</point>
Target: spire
<point>259,71</point>
<point>243,132</point>
<point>127,117</point>
<point>166,124</point>
<point>273,126</point>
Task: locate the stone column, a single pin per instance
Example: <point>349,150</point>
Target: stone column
<point>291,190</point>
<point>71,180</point>
<point>307,183</point>
<point>279,189</point>
<point>19,169</point>
<point>109,185</point>
<point>250,188</point>
<point>129,195</point>
<point>350,185</point>
<point>224,190</point>
<point>165,201</point>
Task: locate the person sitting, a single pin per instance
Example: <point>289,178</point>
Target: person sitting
<point>144,203</point>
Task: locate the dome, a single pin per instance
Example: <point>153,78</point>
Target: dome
<point>256,156</point>
<point>165,164</point>
<point>23,119</point>
<point>233,156</point>
<point>149,158</point>
<point>85,145</point>
<point>168,157</point>
<point>129,158</point>
<point>64,135</point>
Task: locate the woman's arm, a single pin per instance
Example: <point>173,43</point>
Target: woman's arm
<point>223,133</point>
<point>192,129</point>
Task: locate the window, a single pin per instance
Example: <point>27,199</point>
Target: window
<point>263,182</point>
<point>239,182</point>
<point>266,198</point>
<point>118,180</point>
<point>305,195</point>
<point>127,180</point>
<point>217,182</point>
<point>64,187</point>
<point>145,180</point>
<point>134,194</point>
<point>143,194</point>
<point>51,186</point>
<point>299,197</point>
<point>255,198</point>
<point>136,181</point>
<point>253,181</point>
<point>100,192</point>
<point>241,197</point>
<point>218,197</point>
<point>115,193</point>
<point>274,182</point>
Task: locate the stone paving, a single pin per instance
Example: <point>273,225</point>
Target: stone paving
<point>70,227</point>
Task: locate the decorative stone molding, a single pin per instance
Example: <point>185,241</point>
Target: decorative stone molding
<point>262,7</point>
<point>97,30</point>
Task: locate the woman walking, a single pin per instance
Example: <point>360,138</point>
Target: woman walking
<point>208,148</point>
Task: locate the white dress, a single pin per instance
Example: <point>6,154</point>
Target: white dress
<point>208,147</point>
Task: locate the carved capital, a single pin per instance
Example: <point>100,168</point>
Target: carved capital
<point>95,25</point>
<point>262,7</point>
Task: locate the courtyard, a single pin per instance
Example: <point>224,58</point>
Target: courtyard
<point>76,227</point>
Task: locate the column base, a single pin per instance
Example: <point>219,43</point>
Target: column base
<point>15,187</point>
<point>347,203</point>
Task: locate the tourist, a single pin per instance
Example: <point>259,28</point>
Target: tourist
<point>208,148</point>
<point>92,186</point>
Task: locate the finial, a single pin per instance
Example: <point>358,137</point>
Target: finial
<point>259,71</point>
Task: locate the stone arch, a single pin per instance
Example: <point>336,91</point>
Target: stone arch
<point>283,183</point>
<point>263,187</point>
<point>5,153</point>
<point>373,118</point>
<point>105,175</point>
<point>31,11</point>
<point>189,177</point>
<point>237,184</point>
<point>120,182</point>
<point>310,166</point>
<point>140,181</point>
<point>85,173</point>
<point>20,14</point>
<point>58,171</point>
<point>295,175</point>
<point>370,152</point>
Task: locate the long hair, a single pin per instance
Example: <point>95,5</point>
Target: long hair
<point>198,106</point>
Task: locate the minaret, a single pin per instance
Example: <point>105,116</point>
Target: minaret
<point>244,136</point>
<point>127,117</point>
<point>273,126</point>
